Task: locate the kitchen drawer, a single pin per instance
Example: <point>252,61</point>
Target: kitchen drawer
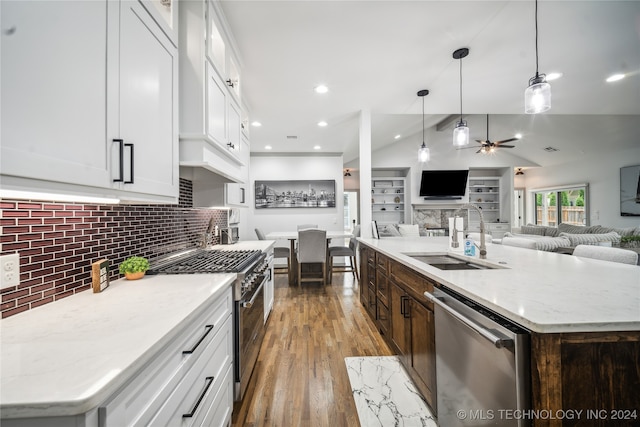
<point>200,384</point>
<point>382,263</point>
<point>220,411</point>
<point>382,288</point>
<point>412,282</point>
<point>382,315</point>
<point>141,398</point>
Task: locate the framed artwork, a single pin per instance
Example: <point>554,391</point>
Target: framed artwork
<point>295,194</point>
<point>630,191</point>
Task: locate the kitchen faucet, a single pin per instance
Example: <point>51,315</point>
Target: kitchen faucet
<point>454,238</point>
<point>205,238</point>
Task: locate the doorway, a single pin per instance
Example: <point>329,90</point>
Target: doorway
<point>351,215</point>
<point>518,208</point>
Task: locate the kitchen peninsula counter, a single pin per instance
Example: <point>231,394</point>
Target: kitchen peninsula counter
<point>67,357</point>
<point>544,292</point>
<point>583,316</point>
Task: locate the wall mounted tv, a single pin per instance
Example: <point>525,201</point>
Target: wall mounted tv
<point>443,184</point>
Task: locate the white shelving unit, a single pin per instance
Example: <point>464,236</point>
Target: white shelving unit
<point>485,193</point>
<point>388,202</point>
<point>490,193</point>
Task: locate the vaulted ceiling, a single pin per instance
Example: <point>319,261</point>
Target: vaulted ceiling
<point>376,55</point>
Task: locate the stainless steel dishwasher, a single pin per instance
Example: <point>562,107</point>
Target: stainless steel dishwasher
<point>482,364</point>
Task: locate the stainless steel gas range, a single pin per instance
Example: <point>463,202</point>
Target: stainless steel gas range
<point>253,268</point>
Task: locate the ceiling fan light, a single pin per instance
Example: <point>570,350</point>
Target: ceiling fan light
<point>423,153</point>
<point>461,134</point>
<point>537,97</point>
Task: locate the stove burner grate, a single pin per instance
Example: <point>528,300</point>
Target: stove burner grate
<point>209,261</point>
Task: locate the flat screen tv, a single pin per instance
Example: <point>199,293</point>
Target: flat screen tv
<point>443,184</point>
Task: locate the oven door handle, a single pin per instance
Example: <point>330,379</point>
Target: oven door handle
<point>248,304</point>
<point>494,339</point>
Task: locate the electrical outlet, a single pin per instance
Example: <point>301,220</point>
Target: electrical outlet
<point>216,231</point>
<point>9,270</point>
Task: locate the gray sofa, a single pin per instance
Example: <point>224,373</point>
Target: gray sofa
<point>565,235</point>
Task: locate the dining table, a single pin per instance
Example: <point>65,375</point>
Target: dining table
<point>292,236</point>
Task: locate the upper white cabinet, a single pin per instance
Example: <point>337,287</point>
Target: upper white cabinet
<point>143,105</point>
<point>210,118</point>
<point>92,109</point>
<point>53,98</point>
<point>165,13</point>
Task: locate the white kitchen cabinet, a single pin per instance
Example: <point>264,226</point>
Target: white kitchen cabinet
<point>210,120</point>
<point>165,13</point>
<point>185,378</point>
<point>216,107</point>
<point>269,292</point>
<point>143,107</point>
<point>54,98</point>
<point>97,72</point>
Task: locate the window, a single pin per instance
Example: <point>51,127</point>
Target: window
<point>567,205</point>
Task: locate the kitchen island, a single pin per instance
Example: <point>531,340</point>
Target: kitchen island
<point>63,361</point>
<point>583,315</point>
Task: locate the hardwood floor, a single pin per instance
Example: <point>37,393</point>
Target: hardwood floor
<point>300,378</point>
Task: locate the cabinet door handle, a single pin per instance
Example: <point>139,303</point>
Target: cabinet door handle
<point>121,156</point>
<point>230,145</point>
<point>208,381</point>
<point>405,310</point>
<point>130,163</point>
<point>208,328</point>
<point>241,195</point>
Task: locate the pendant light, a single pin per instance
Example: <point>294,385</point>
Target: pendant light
<point>423,151</point>
<point>461,131</point>
<point>537,97</point>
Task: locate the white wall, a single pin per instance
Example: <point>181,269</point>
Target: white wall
<point>602,173</point>
<point>287,168</point>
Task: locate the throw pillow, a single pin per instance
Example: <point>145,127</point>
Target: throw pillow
<point>591,239</point>
<point>532,229</point>
<point>409,230</point>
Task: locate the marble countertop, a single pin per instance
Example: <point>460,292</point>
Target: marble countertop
<point>543,291</point>
<point>66,357</point>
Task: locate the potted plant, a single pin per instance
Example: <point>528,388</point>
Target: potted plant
<point>134,267</point>
<point>630,242</point>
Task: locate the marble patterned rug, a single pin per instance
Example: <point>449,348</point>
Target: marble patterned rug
<point>384,394</point>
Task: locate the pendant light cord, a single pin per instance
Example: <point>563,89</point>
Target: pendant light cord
<point>423,120</point>
<point>460,90</point>
<point>536,25</point>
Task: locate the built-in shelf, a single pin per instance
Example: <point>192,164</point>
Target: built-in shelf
<point>388,193</point>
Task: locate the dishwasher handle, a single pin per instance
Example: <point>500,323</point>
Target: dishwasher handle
<point>494,339</point>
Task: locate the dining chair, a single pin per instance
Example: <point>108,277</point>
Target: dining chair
<point>305,226</point>
<point>312,249</point>
<point>278,252</point>
<point>345,251</point>
<point>607,253</point>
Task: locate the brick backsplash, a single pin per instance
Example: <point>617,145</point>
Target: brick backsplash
<point>57,242</point>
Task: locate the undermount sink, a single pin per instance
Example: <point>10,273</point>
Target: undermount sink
<point>450,262</point>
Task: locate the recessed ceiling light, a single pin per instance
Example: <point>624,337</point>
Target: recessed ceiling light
<point>518,135</point>
<point>615,78</point>
<point>553,76</point>
<point>256,124</point>
<point>322,124</point>
<point>321,89</point>
<point>397,137</point>
<point>268,147</point>
<point>316,147</point>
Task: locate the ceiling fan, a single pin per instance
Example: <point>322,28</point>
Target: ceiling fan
<point>487,146</point>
